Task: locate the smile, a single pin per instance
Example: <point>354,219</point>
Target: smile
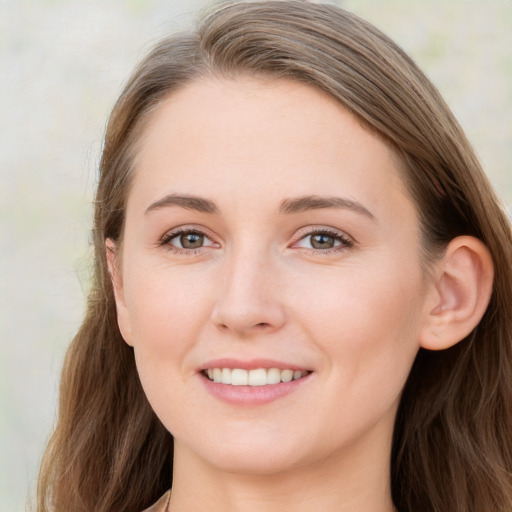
<point>255,377</point>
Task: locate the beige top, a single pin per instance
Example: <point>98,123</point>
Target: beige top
<point>161,504</point>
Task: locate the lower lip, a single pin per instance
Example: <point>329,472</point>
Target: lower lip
<point>252,395</point>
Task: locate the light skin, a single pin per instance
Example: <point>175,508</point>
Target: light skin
<point>265,222</point>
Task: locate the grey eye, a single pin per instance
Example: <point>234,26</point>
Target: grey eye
<point>189,240</point>
<point>322,241</point>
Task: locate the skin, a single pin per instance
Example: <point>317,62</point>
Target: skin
<point>352,315</point>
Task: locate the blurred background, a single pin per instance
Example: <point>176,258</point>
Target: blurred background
<point>62,65</point>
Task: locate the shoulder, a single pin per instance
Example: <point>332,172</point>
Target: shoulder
<point>160,505</point>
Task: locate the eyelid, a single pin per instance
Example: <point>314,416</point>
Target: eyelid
<point>169,235</point>
<point>346,241</point>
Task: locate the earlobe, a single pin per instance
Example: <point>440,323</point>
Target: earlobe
<point>117,284</point>
<point>460,293</point>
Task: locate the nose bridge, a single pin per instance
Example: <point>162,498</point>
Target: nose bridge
<point>249,298</point>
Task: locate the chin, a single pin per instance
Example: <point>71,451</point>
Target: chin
<point>250,454</point>
<point>260,462</point>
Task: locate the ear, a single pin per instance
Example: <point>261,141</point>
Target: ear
<point>123,318</point>
<point>460,293</point>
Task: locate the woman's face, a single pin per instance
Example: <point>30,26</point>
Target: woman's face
<point>269,237</point>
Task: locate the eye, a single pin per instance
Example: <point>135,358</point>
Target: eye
<point>184,240</point>
<point>188,240</point>
<point>324,240</point>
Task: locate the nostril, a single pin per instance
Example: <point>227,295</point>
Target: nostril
<point>258,326</point>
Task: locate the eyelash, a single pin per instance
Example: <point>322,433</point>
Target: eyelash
<point>168,237</point>
<point>345,242</point>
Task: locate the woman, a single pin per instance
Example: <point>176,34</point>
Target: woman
<point>302,287</point>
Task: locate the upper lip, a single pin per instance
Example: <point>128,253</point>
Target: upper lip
<point>251,364</point>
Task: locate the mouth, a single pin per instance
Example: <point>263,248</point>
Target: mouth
<point>254,377</point>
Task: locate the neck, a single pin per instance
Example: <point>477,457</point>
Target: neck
<point>345,482</point>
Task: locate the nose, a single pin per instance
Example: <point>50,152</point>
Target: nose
<point>250,297</point>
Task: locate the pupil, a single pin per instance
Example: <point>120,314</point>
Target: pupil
<point>191,240</point>
<point>322,241</point>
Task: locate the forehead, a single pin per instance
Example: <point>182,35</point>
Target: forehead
<point>283,137</point>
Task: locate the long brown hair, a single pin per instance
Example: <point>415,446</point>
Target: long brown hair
<point>452,447</point>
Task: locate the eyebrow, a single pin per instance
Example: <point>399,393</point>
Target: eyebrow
<point>288,206</point>
<point>188,202</point>
<point>305,203</point>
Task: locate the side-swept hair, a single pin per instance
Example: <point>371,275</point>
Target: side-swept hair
<point>452,449</point>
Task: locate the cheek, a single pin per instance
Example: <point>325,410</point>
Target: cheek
<point>166,313</point>
<point>164,302</point>
<point>367,331</point>
<point>367,327</point>
<point>382,301</point>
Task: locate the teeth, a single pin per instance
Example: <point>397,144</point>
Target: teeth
<point>226,376</point>
<point>287,375</point>
<point>238,377</point>
<point>273,375</point>
<point>257,377</point>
